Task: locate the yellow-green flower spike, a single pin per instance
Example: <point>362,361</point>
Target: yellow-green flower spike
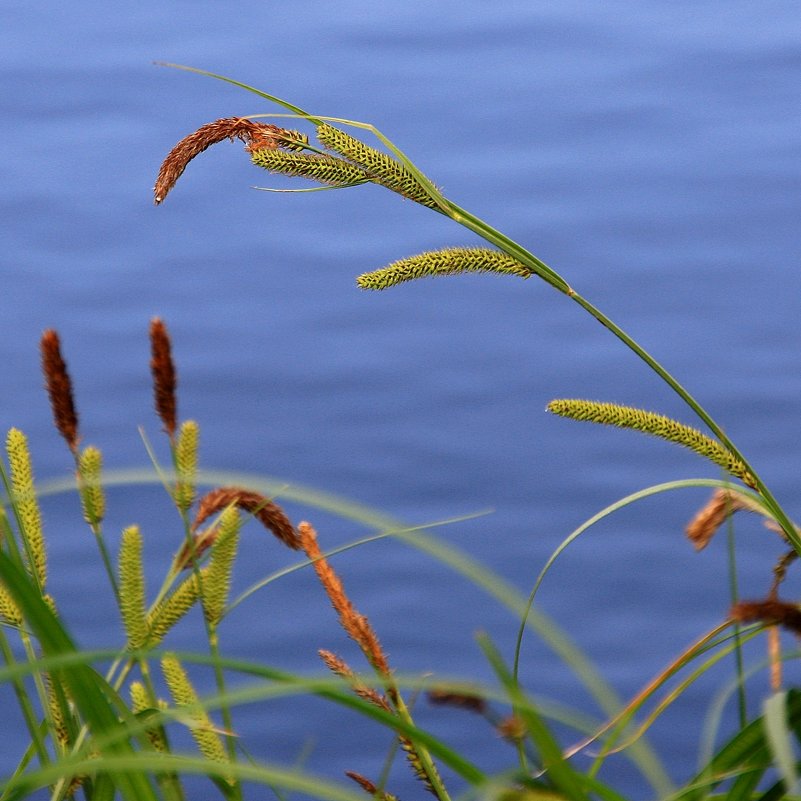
<point>323,169</point>
<point>449,261</point>
<point>657,425</point>
<point>93,500</point>
<point>9,611</point>
<point>140,702</point>
<point>60,729</point>
<point>383,169</point>
<point>183,694</point>
<point>19,459</point>
<point>132,588</point>
<point>186,458</point>
<point>217,580</point>
<point>173,608</point>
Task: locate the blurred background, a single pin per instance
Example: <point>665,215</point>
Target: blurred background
<point>649,152</point>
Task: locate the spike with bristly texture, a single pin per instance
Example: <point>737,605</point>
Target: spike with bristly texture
<point>253,134</point>
<point>26,504</point>
<point>217,579</point>
<point>323,169</point>
<point>657,425</point>
<point>132,588</point>
<point>268,513</point>
<point>93,502</point>
<point>383,169</point>
<point>771,611</point>
<point>164,377</point>
<point>186,458</point>
<point>59,388</point>
<point>713,515</point>
<point>356,625</point>
<point>183,694</point>
<point>449,261</point>
<point>161,619</point>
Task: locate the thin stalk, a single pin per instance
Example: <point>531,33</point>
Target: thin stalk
<point>422,752</point>
<point>28,712</point>
<point>225,709</point>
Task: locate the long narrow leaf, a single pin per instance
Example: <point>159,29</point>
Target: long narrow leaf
<point>88,690</point>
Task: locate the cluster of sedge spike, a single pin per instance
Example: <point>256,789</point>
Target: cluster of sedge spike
<point>200,573</point>
<point>347,161</point>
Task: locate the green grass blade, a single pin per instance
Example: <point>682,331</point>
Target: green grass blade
<point>778,734</point>
<point>272,98</point>
<point>87,689</point>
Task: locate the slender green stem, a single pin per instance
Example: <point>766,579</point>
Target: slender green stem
<point>28,712</point>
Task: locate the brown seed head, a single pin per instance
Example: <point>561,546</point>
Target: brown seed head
<point>269,514</point>
<point>771,612</point>
<point>712,516</point>
<point>356,625</point>
<point>59,388</point>
<point>473,703</point>
<point>256,135</point>
<point>164,378</point>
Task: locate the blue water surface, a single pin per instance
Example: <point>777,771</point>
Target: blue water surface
<point>647,151</point>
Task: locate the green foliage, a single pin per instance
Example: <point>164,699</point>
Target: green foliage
<point>84,737</point>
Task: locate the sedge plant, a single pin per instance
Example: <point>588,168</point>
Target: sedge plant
<point>102,724</point>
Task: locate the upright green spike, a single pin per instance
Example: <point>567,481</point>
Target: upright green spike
<point>9,611</point>
<point>93,501</point>
<point>132,588</point>
<point>173,608</point>
<point>140,703</point>
<point>26,504</point>
<point>183,694</point>
<point>186,459</point>
<point>217,580</point>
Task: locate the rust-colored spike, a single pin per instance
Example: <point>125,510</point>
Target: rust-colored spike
<point>59,388</point>
<point>770,611</point>
<point>363,782</point>
<point>712,516</point>
<point>473,703</point>
<point>340,667</point>
<point>268,513</point>
<point>356,625</point>
<point>164,377</point>
<point>256,135</point>
<point>370,787</point>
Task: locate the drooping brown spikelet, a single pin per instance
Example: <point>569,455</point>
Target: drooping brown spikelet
<point>473,703</point>
<point>257,135</point>
<point>164,377</point>
<point>370,787</point>
<point>268,513</point>
<point>59,388</point>
<point>356,625</point>
<point>339,667</point>
<point>712,516</point>
<point>769,611</point>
